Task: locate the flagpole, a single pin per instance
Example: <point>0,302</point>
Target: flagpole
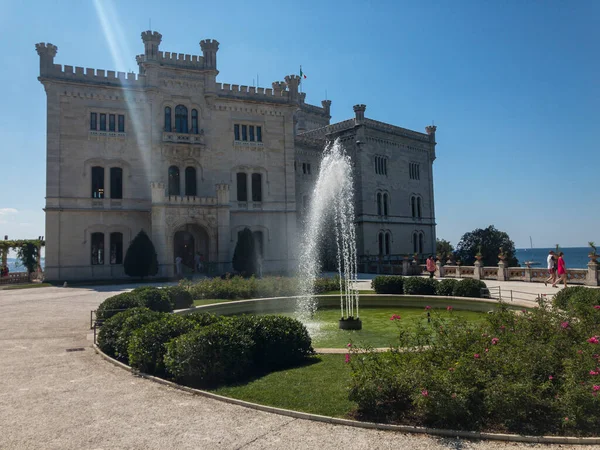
<point>300,77</point>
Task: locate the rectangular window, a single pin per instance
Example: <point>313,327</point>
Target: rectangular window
<point>244,132</point>
<point>102,122</point>
<point>116,248</point>
<point>97,248</point>
<point>251,133</point>
<point>121,123</point>
<point>258,134</point>
<point>256,187</point>
<point>93,121</point>
<point>97,182</point>
<point>111,122</point>
<point>242,189</point>
<point>308,168</point>
<point>304,168</point>
<point>236,132</point>
<point>414,171</point>
<point>116,182</point>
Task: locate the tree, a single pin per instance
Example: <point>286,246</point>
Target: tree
<point>140,259</point>
<point>244,256</point>
<point>28,255</point>
<point>443,249</point>
<point>491,241</point>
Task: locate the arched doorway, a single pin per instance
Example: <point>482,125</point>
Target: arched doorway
<point>189,240</point>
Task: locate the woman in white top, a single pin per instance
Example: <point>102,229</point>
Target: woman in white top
<point>551,268</point>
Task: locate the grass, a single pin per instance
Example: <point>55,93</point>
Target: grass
<point>319,387</point>
<point>378,330</point>
<point>11,287</point>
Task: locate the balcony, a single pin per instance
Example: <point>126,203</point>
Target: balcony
<point>183,138</point>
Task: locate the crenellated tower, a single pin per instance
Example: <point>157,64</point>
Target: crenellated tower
<point>47,53</point>
<point>152,40</point>
<point>359,113</point>
<point>210,47</point>
<point>293,84</point>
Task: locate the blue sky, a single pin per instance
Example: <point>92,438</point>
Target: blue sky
<point>513,87</point>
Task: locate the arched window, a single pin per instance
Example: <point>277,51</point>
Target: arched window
<point>415,243</point>
<point>387,243</point>
<point>385,205</point>
<point>174,188</point>
<point>379,203</point>
<point>419,207</point>
<point>413,206</point>
<point>256,187</point>
<point>194,121</point>
<point>97,182</point>
<point>190,181</point>
<point>116,248</point>
<point>258,243</point>
<point>380,244</point>
<point>420,242</point>
<point>97,248</point>
<point>181,119</point>
<point>116,182</point>
<point>242,189</point>
<point>167,118</point>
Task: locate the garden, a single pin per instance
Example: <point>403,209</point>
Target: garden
<point>535,371</point>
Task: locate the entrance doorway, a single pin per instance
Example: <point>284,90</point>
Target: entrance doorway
<point>190,242</point>
<point>184,245</point>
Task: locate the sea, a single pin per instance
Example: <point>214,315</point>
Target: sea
<point>575,257</point>
<point>14,265</point>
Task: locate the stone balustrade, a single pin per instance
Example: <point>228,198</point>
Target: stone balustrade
<point>401,265</point>
<point>15,277</point>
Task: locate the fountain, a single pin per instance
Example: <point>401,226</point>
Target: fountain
<point>332,200</point>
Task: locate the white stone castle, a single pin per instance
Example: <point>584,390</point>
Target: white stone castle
<point>193,162</point>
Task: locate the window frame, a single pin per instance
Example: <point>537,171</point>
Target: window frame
<point>116,182</point>
<point>168,125</point>
<point>191,186</point>
<point>102,123</point>
<point>194,129</point>
<point>241,187</point>
<point>112,123</point>
<point>256,193</point>
<point>181,119</point>
<point>172,186</point>
<point>121,123</point>
<point>97,182</point>
<point>93,121</point>
<point>117,246</point>
<point>97,244</point>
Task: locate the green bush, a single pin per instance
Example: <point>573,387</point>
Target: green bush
<point>140,258</point>
<point>146,347</point>
<point>179,297</point>
<point>326,284</point>
<point>129,326</point>
<point>153,298</point>
<point>113,305</point>
<point>109,332</point>
<point>562,299</point>
<point>393,284</point>
<point>245,256</point>
<point>218,353</point>
<point>446,287</point>
<point>468,287</point>
<point>419,286</point>
<point>204,319</point>
<point>279,341</point>
<point>532,372</point>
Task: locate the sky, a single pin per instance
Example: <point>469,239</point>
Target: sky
<point>513,87</point>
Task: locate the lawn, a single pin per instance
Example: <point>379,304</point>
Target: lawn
<point>10,287</point>
<point>378,330</point>
<point>320,387</point>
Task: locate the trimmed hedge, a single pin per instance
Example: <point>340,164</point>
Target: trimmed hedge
<point>563,298</point>
<point>129,326</point>
<point>218,353</point>
<point>154,298</point>
<point>446,287</point>
<point>279,341</point>
<point>109,332</point>
<point>112,305</point>
<point>179,297</point>
<point>468,288</point>
<point>204,319</point>
<point>146,347</point>
<point>393,284</point>
<point>326,284</point>
<point>419,286</point>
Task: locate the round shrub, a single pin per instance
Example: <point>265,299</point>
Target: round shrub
<point>109,332</point>
<point>153,298</point>
<point>218,353</point>
<point>468,287</point>
<point>131,324</point>
<point>446,287</point>
<point>393,284</point>
<point>419,286</point>
<point>179,297</point>
<point>562,299</point>
<point>147,344</point>
<point>279,341</point>
<point>204,319</point>
<point>117,303</point>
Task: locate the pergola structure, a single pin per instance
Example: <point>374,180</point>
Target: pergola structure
<point>6,245</point>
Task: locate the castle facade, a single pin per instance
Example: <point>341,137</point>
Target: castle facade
<point>193,161</point>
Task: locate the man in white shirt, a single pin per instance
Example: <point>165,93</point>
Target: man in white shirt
<point>551,268</point>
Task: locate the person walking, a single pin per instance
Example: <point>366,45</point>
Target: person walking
<point>551,268</point>
<point>178,262</point>
<point>561,270</point>
<point>430,265</point>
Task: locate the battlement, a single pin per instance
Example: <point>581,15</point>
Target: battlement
<point>396,130</point>
<point>180,60</point>
<point>251,92</point>
<point>97,76</point>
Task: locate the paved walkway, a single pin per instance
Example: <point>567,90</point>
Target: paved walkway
<point>54,399</point>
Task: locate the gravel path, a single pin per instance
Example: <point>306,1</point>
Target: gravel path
<point>54,399</point>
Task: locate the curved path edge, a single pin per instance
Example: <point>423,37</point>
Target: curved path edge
<point>355,423</point>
